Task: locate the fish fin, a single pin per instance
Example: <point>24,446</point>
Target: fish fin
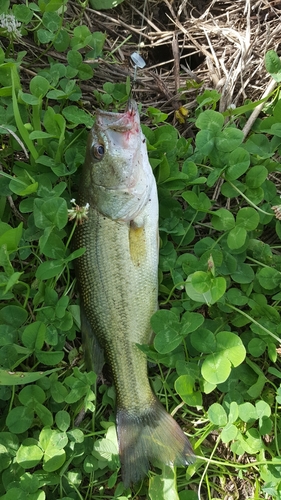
<point>137,243</point>
<point>93,353</point>
<point>148,436</point>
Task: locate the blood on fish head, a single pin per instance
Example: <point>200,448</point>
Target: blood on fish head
<point>126,124</point>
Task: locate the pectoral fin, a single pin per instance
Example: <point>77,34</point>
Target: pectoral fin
<point>137,243</point>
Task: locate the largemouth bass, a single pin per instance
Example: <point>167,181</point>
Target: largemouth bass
<point>118,285</point>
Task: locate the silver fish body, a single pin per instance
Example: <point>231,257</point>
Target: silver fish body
<point>118,285</point>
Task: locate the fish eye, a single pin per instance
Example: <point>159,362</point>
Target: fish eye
<point>97,151</point>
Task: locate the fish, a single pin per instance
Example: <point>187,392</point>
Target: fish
<point>118,286</point>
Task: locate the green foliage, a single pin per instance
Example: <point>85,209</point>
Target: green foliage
<point>104,4</point>
<point>113,95</point>
<point>273,65</point>
<point>217,332</point>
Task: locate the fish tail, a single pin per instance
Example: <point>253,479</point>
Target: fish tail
<point>149,435</point>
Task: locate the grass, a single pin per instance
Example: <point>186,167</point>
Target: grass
<point>216,352</point>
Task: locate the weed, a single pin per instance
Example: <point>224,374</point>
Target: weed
<point>217,332</point>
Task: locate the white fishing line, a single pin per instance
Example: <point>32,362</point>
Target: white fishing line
<point>136,58</point>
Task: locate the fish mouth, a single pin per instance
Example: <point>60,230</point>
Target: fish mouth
<point>132,106</point>
<point>119,122</point>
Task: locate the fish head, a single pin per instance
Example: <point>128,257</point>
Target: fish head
<point>117,169</point>
<point>112,147</point>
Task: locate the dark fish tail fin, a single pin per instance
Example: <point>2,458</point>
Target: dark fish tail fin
<point>148,435</point>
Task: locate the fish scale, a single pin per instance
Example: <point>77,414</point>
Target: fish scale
<point>123,303</point>
<point>118,286</point>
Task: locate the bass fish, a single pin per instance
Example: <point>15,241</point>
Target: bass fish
<point>118,285</point>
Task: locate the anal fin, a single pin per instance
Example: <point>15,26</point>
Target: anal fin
<point>93,353</point>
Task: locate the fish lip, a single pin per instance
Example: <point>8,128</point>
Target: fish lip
<point>120,122</point>
<point>132,106</point>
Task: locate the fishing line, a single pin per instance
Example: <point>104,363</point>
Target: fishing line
<point>136,58</point>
